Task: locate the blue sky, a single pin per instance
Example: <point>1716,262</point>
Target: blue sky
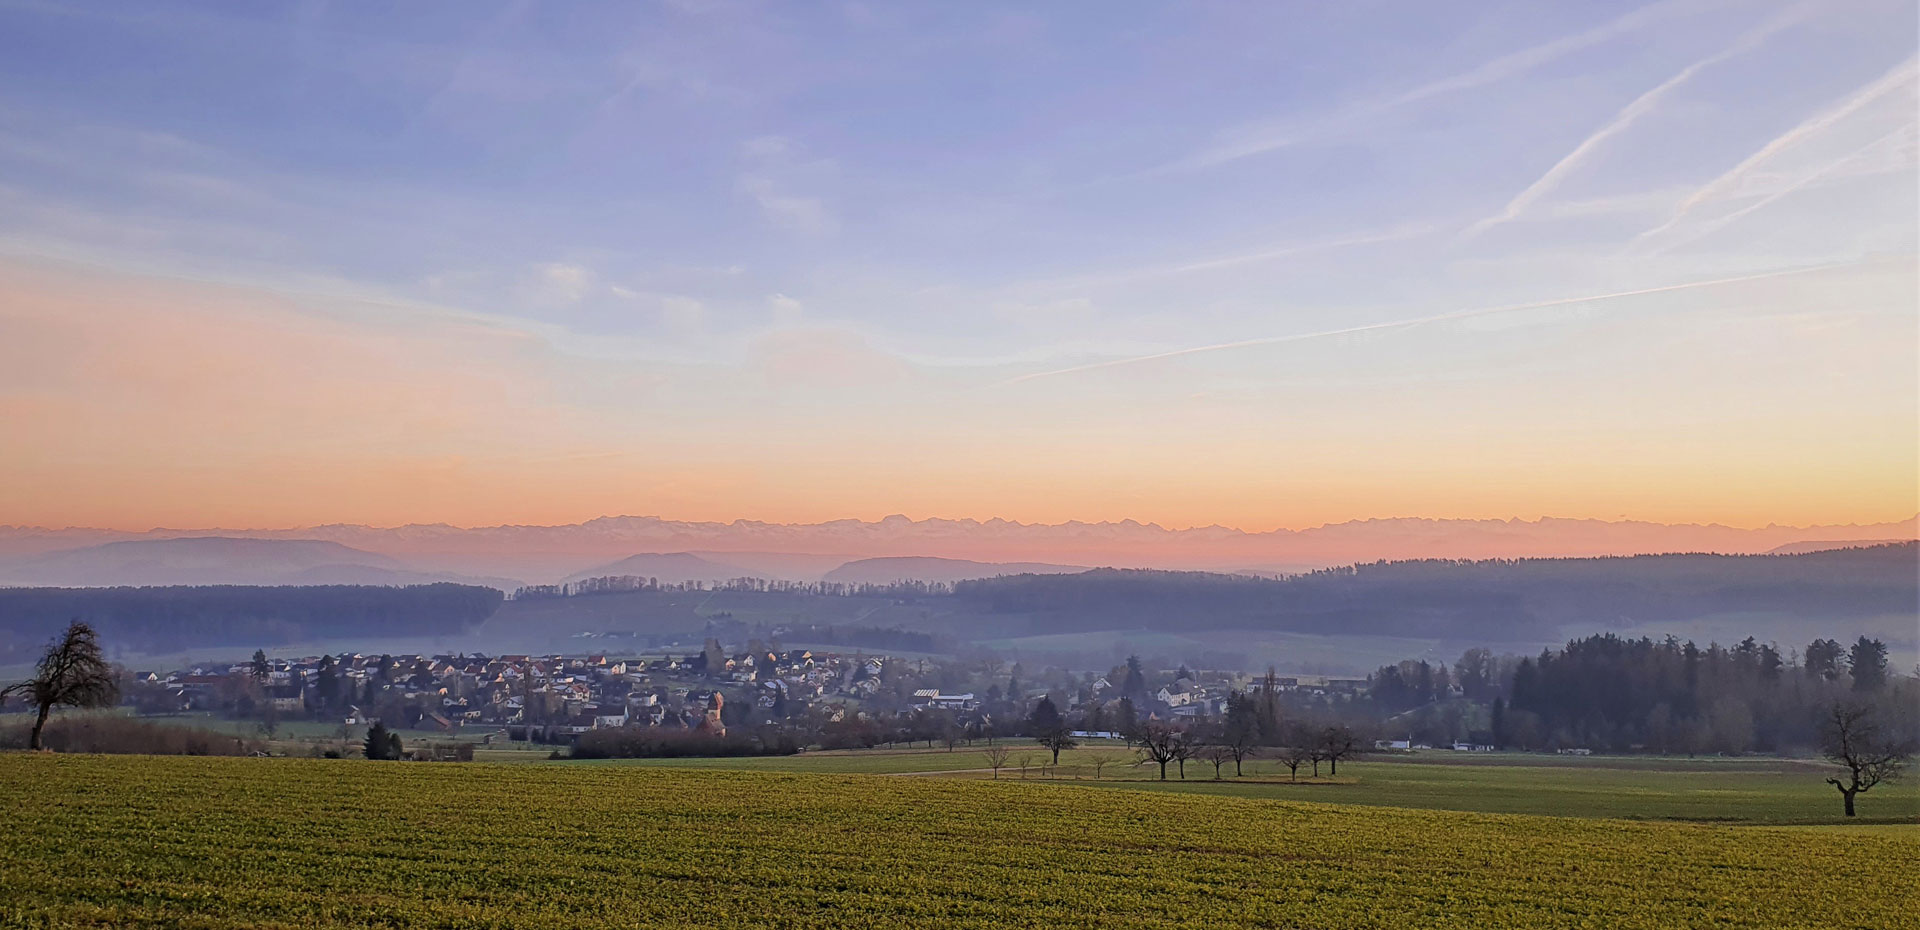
<point>704,199</point>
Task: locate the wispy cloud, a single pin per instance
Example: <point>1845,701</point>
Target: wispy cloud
<point>562,281</point>
<point>772,164</point>
<point>1418,321</point>
<point>1503,68</point>
<point>1399,233</point>
<point>792,212</point>
<point>1628,115</point>
<point>1902,76</point>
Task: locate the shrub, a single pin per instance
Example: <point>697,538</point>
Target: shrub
<point>120,734</point>
<point>653,742</point>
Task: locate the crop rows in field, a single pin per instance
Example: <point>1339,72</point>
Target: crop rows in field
<point>125,841</point>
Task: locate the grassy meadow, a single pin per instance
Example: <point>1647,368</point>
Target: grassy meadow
<point>285,842</point>
<point>1732,791</point>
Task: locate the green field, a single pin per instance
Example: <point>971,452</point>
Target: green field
<point>232,842</point>
<point>1736,791</point>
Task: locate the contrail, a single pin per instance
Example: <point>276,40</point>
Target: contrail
<point>1901,75</point>
<point>1823,171</point>
<point>1499,69</point>
<point>1630,114</point>
<point>1422,321</point>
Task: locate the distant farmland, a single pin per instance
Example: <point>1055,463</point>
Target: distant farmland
<point>95,841</point>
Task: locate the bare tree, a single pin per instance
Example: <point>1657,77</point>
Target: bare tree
<point>1099,763</point>
<point>997,758</point>
<point>1218,753</point>
<point>71,673</point>
<point>1338,742</point>
<point>1296,753</point>
<point>1242,743</point>
<point>1183,751</point>
<point>1162,743</point>
<point>1024,761</point>
<point>1852,739</point>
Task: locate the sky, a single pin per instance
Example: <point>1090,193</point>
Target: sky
<point>1261,265</point>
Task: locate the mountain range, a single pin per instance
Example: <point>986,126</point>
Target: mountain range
<point>219,560</point>
<point>511,554</point>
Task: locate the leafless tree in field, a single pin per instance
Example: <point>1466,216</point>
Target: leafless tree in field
<point>1162,742</point>
<point>1099,764</point>
<point>1024,761</point>
<point>1242,743</point>
<point>997,758</point>
<point>1184,750</point>
<point>1338,742</point>
<point>1295,754</point>
<point>71,673</point>
<point>1218,753</point>
<point>1853,740</point>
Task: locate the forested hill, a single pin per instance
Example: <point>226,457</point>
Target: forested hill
<point>165,619</point>
<point>1526,601</point>
<point>1494,600</point>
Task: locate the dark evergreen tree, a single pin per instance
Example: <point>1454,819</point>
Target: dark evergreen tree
<point>1867,661</point>
<point>379,744</point>
<point>1050,729</point>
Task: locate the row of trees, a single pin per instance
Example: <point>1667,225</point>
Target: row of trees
<point>631,584</point>
<point>1252,727</point>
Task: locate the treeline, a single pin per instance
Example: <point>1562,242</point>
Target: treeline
<point>1670,696</point>
<point>1495,600</point>
<point>627,584</point>
<point>168,619</point>
<point>1619,694</point>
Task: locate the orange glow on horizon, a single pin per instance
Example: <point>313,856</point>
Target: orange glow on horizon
<point>134,403</point>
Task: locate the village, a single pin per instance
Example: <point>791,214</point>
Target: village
<point>835,697</point>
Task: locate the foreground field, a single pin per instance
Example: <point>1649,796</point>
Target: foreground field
<point>1733,791</point>
<point>129,841</point>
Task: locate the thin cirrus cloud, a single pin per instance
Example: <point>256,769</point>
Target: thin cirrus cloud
<point>1450,316</point>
